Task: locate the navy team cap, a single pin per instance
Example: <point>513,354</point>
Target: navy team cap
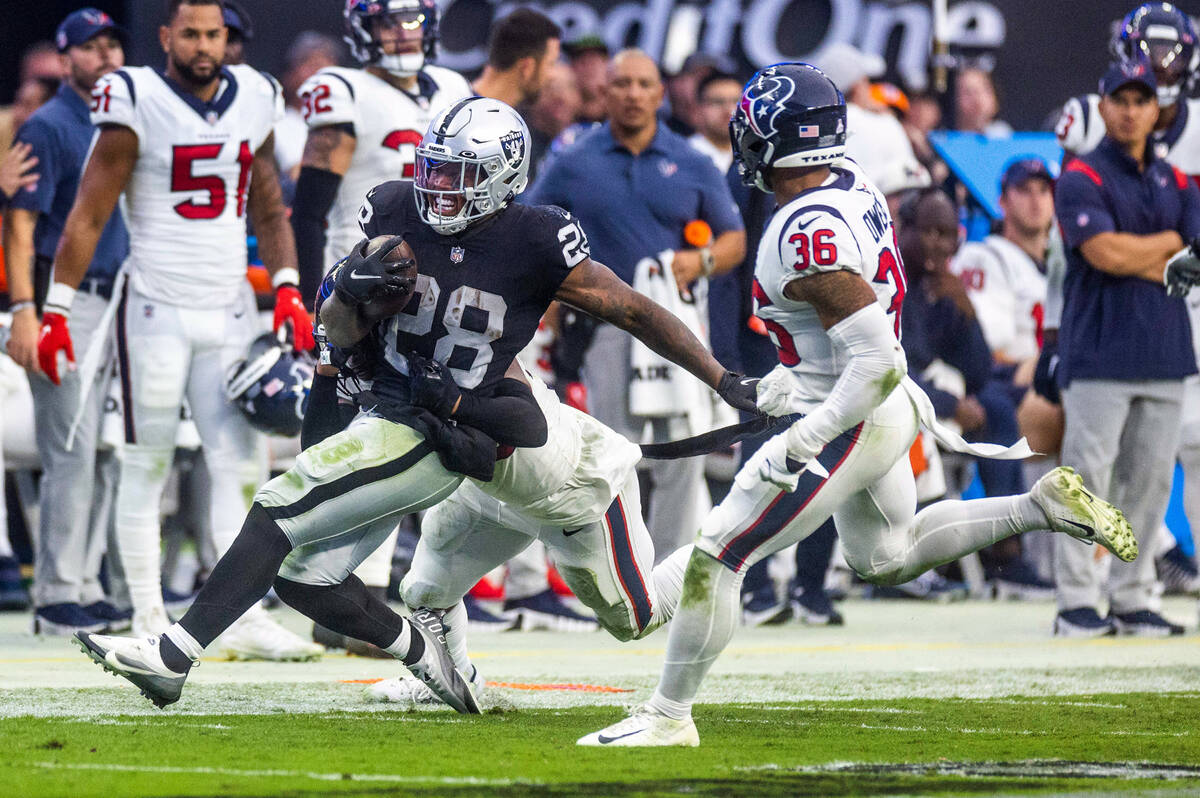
<point>1024,169</point>
<point>85,24</point>
<point>1124,73</point>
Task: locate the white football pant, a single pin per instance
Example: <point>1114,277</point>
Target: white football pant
<point>169,352</point>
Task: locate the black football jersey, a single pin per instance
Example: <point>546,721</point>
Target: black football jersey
<point>479,294</point>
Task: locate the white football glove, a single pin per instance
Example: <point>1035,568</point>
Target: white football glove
<point>1183,270</point>
<point>777,393</point>
<point>774,463</point>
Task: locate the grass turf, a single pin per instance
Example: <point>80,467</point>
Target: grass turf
<point>1029,746</point>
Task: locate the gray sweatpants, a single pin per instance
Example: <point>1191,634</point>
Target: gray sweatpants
<point>78,486</point>
<point>679,498</point>
<point>1122,437</point>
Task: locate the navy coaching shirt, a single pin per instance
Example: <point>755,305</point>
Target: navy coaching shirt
<point>1122,328</point>
<point>634,206</point>
<point>60,133</point>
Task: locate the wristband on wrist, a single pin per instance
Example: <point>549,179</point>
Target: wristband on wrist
<point>707,262</point>
<point>59,299</point>
<point>24,304</point>
<point>288,276</point>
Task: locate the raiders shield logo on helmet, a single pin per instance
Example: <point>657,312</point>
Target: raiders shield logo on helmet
<point>513,145</point>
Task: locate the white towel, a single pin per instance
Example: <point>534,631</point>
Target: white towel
<point>952,440</point>
<point>659,388</point>
<point>90,365</point>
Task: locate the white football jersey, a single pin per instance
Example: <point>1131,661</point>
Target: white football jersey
<point>1080,129</point>
<point>388,124</point>
<point>843,224</point>
<point>185,203</point>
<point>573,478</point>
<point>1008,292</point>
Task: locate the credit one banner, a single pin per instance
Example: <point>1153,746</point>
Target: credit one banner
<point>1043,52</point>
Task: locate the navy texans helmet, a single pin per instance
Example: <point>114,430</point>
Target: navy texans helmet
<point>270,386</point>
<point>1165,38</point>
<point>790,115</point>
<point>364,17</point>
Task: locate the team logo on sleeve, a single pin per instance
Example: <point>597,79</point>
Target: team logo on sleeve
<point>763,101</point>
<point>513,145</point>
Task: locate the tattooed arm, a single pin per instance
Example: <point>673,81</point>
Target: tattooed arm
<point>594,289</point>
<point>327,154</point>
<point>268,213</point>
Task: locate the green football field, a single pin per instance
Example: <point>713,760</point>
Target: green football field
<point>907,699</point>
<point>1121,742</point>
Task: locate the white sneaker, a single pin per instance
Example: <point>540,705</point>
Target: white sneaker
<point>137,660</point>
<point>151,622</point>
<point>256,636</point>
<point>1076,511</point>
<point>645,727</point>
<point>410,691</point>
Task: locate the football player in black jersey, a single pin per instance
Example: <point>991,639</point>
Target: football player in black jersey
<point>488,269</point>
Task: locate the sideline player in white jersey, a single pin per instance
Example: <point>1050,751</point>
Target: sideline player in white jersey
<point>192,150</point>
<point>1164,37</point>
<point>1004,274</point>
<point>828,285</point>
<point>364,124</point>
<point>578,494</point>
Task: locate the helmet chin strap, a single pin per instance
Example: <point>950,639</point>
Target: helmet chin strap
<point>402,65</point>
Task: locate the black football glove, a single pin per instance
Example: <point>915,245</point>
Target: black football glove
<point>362,278</point>
<point>739,391</point>
<point>1045,375</point>
<point>432,386</point>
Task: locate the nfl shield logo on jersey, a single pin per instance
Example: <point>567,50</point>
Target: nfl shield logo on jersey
<point>456,254</point>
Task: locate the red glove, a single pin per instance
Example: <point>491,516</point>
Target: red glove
<point>54,338</point>
<point>575,395</point>
<point>290,307</point>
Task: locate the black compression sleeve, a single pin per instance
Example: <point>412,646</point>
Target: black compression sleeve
<point>510,416</point>
<point>322,418</point>
<point>316,190</point>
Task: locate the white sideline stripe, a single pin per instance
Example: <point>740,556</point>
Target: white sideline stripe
<point>308,774</point>
<point>113,722</point>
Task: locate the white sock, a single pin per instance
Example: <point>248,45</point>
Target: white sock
<point>948,530</point>
<point>676,710</point>
<point>703,625</point>
<point>139,496</point>
<point>399,647</point>
<point>454,622</point>
<point>184,642</point>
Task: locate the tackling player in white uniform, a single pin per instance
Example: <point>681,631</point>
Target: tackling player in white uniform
<point>828,285</point>
<point>193,152</point>
<point>578,494</point>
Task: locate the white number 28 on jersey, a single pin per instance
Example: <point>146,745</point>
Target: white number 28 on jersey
<point>464,302</point>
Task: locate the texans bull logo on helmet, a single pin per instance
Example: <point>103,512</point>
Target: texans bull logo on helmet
<point>763,101</point>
